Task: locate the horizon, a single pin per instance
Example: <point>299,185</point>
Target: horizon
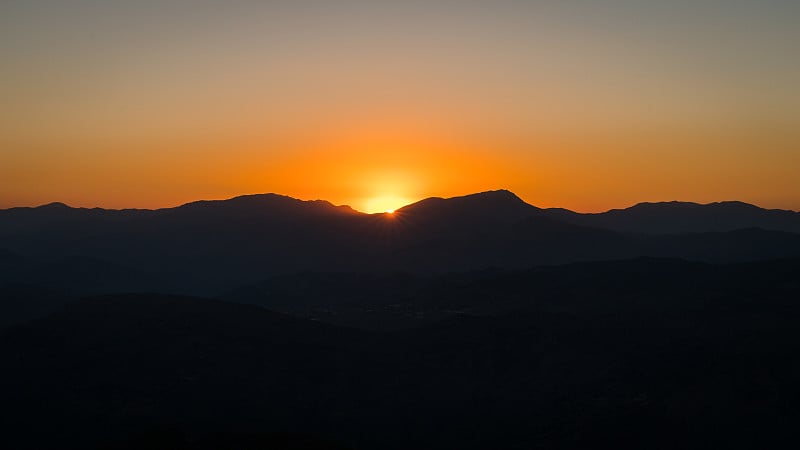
<point>401,206</point>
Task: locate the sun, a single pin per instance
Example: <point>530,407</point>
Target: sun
<point>385,204</point>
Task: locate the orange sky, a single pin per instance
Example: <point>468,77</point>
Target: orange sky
<point>375,173</point>
<point>377,104</point>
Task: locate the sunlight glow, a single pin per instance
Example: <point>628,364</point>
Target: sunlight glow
<point>387,204</point>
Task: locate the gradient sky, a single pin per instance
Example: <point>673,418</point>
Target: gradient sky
<point>588,105</point>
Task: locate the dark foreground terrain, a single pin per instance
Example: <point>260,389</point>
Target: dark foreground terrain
<point>642,353</point>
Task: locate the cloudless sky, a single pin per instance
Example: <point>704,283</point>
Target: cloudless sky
<point>588,105</point>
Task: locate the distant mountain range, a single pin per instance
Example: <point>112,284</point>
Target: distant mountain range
<point>475,322</point>
<point>685,217</point>
<point>214,246</point>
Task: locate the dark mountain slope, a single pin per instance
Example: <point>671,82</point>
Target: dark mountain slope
<point>258,205</point>
<point>20,303</point>
<point>641,286</point>
<point>115,365</point>
<point>684,217</point>
<point>486,208</point>
<point>656,354</point>
<point>210,247</point>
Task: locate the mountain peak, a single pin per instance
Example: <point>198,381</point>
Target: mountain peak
<point>268,202</point>
<point>490,205</point>
<point>500,195</point>
<point>737,205</point>
<point>675,204</point>
<point>54,205</point>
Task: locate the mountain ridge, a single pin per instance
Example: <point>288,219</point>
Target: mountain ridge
<point>496,194</point>
<point>212,246</point>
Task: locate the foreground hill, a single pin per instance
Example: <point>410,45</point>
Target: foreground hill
<point>214,246</point>
<point>641,354</point>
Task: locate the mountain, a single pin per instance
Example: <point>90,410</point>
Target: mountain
<point>471,322</point>
<point>111,367</point>
<point>649,286</point>
<point>85,275</point>
<point>210,247</point>
<point>20,303</point>
<point>684,217</point>
<point>489,207</point>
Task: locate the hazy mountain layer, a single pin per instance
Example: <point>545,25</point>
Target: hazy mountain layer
<point>214,246</point>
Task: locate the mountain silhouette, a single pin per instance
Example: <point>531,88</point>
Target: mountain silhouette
<point>500,205</point>
<point>264,204</point>
<point>685,217</point>
<point>214,246</point>
<point>472,322</point>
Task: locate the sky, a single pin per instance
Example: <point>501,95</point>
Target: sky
<point>588,105</point>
